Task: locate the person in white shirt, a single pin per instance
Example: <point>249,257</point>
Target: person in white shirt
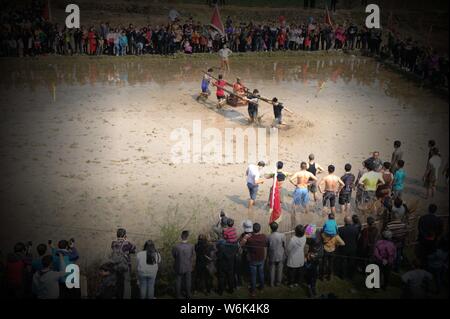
<point>296,256</point>
<point>116,36</point>
<point>432,172</point>
<point>147,269</point>
<point>253,180</point>
<point>224,53</point>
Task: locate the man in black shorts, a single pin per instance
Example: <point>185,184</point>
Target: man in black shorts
<point>277,112</point>
<point>253,100</point>
<point>330,186</point>
<point>314,169</point>
<point>345,195</point>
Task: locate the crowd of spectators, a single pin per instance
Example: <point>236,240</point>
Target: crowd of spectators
<point>26,33</point>
<point>240,257</point>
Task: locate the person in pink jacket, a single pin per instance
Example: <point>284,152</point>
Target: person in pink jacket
<point>384,255</point>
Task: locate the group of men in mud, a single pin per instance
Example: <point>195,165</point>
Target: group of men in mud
<point>240,95</point>
<point>377,180</point>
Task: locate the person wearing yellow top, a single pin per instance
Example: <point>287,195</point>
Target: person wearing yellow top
<point>371,180</point>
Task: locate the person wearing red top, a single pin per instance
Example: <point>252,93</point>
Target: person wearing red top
<point>281,40</point>
<point>92,47</point>
<point>256,247</point>
<point>18,267</point>
<point>220,93</point>
<point>229,233</point>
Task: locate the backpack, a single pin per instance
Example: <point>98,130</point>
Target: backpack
<point>119,260</point>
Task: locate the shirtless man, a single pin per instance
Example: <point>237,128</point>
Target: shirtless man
<point>333,185</point>
<point>301,181</point>
<point>314,169</point>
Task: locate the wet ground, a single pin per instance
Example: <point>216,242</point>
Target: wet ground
<point>85,142</point>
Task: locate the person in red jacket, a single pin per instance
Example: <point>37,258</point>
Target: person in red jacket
<point>220,93</point>
<point>92,38</point>
<point>18,271</point>
<point>256,253</point>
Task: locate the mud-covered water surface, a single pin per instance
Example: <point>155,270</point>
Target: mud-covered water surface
<point>85,142</point>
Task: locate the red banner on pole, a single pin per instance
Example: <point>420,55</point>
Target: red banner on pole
<point>275,201</point>
<point>216,21</point>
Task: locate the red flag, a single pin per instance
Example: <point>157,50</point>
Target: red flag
<point>328,17</point>
<point>216,22</point>
<point>275,204</point>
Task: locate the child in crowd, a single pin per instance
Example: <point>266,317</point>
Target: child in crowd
<point>229,233</point>
<point>330,227</point>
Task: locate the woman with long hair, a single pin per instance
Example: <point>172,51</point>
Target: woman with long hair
<point>147,269</point>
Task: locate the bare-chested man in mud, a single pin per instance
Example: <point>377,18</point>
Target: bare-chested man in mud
<point>330,186</point>
<point>315,169</point>
<point>301,181</point>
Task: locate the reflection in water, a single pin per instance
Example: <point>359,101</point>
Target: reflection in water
<point>357,71</point>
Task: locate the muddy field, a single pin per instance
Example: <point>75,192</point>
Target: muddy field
<point>86,148</point>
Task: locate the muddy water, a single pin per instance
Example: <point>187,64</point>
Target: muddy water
<point>85,142</point>
<point>52,82</point>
